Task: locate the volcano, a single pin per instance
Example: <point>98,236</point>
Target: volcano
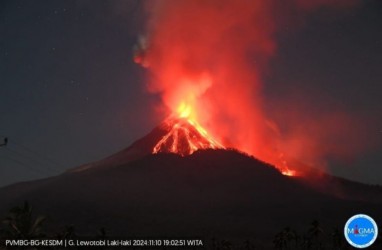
<point>179,135</point>
<point>178,182</point>
<point>184,137</point>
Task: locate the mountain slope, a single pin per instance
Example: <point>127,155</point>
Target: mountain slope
<point>174,135</point>
<point>209,193</point>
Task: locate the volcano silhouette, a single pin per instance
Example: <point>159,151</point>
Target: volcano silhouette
<point>209,193</point>
<point>174,135</point>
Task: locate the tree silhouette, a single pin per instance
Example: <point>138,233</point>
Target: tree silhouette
<point>248,245</point>
<point>226,245</point>
<point>306,242</point>
<point>315,231</point>
<point>21,224</point>
<point>283,239</point>
<point>279,241</point>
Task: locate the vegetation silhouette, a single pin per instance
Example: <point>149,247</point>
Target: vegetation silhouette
<point>21,223</point>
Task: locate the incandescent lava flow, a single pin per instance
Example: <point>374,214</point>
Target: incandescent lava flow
<point>184,135</point>
<point>200,55</point>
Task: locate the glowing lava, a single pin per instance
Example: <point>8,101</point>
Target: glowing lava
<point>288,172</point>
<point>209,57</point>
<point>184,135</point>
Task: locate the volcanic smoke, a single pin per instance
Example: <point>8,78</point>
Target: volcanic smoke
<point>207,58</point>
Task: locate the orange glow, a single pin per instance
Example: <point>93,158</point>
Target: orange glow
<point>213,90</point>
<point>288,172</point>
<point>184,137</point>
<point>184,110</point>
<point>204,78</point>
<point>208,59</point>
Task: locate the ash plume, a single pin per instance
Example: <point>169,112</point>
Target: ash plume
<point>211,55</point>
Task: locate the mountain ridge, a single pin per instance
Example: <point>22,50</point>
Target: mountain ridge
<point>210,193</point>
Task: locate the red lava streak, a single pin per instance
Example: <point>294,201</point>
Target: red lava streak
<point>184,137</point>
<point>208,60</point>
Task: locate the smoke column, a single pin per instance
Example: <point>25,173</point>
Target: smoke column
<point>209,55</point>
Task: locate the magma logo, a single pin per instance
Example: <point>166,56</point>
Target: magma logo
<point>361,231</point>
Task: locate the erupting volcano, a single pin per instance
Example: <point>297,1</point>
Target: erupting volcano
<point>208,59</point>
<point>205,81</point>
<point>184,137</point>
<point>184,134</point>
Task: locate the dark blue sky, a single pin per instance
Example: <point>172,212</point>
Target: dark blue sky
<point>70,93</point>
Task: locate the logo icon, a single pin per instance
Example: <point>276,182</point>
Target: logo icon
<point>361,231</point>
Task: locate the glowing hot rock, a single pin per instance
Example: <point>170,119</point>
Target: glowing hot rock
<point>184,135</point>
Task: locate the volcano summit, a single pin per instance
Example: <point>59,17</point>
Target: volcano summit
<point>210,193</point>
<point>184,137</point>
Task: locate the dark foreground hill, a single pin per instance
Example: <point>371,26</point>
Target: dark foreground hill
<point>211,193</point>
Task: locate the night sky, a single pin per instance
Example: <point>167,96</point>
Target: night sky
<point>71,94</point>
